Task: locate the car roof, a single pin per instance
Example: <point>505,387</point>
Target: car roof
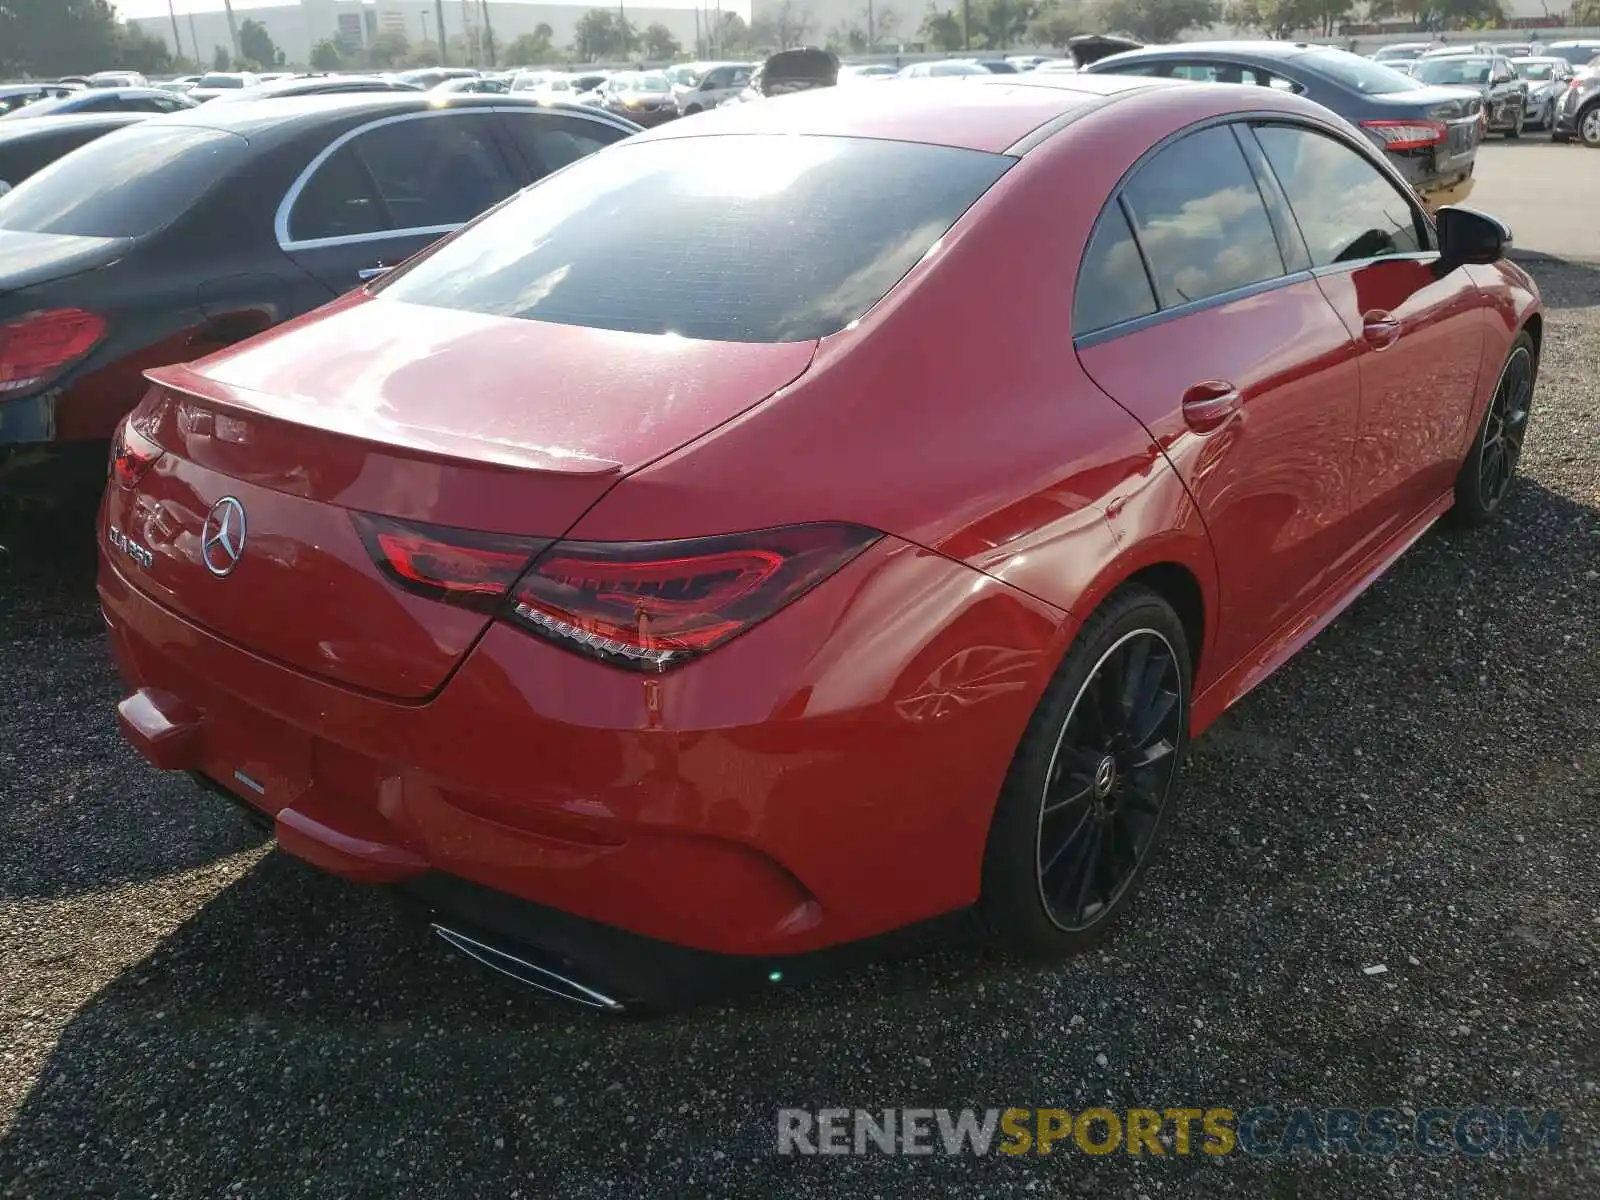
<point>975,112</point>
<point>1259,49</point>
<point>135,93</point>
<point>17,131</point>
<point>285,115</point>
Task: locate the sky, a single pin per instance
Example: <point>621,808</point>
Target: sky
<point>158,8</point>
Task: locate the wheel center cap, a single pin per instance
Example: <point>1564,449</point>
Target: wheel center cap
<point>1105,777</point>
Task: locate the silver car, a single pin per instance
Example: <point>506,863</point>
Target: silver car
<point>1547,78</point>
<point>709,84</point>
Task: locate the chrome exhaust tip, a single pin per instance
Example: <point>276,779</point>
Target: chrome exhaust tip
<point>532,974</point>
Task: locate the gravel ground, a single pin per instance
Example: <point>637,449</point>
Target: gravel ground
<point>184,1013</point>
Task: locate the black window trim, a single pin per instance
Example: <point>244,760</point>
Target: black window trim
<point>1245,120</point>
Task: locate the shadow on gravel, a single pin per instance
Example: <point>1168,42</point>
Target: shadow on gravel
<point>1562,282</point>
<point>302,1037</point>
<point>81,811</point>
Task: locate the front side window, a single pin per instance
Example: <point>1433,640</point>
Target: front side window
<point>426,173</point>
<point>744,238</point>
<point>1201,220</point>
<point>1347,210</point>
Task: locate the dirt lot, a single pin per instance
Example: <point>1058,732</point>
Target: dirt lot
<point>184,1013</point>
<point>1547,193</point>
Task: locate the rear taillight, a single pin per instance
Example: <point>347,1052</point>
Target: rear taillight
<point>456,566</point>
<point>651,605</point>
<point>1407,135</point>
<point>35,349</point>
<point>132,454</point>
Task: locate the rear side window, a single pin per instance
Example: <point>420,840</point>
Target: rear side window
<point>1201,220</point>
<point>431,172</point>
<point>549,142</point>
<point>1112,286</point>
<point>126,184</point>
<point>744,238</point>
<point>1346,209</point>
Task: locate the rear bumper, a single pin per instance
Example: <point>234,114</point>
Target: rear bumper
<point>1440,193</point>
<point>820,780</point>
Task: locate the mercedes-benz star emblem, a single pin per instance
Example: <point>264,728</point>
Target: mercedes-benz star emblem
<point>222,539</point>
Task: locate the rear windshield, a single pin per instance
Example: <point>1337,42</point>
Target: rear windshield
<point>1360,74</point>
<point>221,81</point>
<point>126,184</point>
<point>1452,70</point>
<point>739,238</point>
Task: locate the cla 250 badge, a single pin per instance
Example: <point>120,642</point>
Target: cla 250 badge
<point>131,548</point>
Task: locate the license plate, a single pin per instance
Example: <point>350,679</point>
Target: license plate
<point>1461,137</point>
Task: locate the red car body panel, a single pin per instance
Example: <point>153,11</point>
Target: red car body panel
<point>830,773</point>
<point>704,807</point>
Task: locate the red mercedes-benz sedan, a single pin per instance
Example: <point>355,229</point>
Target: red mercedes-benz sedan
<point>809,520</point>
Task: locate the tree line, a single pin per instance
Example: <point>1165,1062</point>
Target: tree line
<point>1000,24</point>
<point>50,38</point>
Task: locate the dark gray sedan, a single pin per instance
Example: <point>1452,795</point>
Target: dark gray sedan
<point>1578,111</point>
<point>1505,97</point>
<point>1430,134</point>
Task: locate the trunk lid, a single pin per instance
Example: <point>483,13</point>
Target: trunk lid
<point>29,259</point>
<point>423,415</point>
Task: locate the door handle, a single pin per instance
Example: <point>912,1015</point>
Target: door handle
<point>371,273</point>
<point>1380,328</point>
<point>1210,404</point>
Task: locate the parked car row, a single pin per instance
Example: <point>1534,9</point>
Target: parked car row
<point>163,239</point>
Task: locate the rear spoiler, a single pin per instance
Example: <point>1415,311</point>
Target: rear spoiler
<point>405,440</point>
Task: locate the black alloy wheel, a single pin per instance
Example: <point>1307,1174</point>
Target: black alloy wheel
<point>1107,785</point>
<point>1089,790</point>
<point>1486,476</point>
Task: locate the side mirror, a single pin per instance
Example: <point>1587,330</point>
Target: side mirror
<point>1469,236</point>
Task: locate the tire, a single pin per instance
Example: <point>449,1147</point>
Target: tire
<point>691,110</point>
<point>1031,853</point>
<point>1486,476</point>
<point>1588,126</point>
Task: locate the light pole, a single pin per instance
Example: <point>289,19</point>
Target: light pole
<point>488,33</point>
<point>444,53</point>
<point>177,39</point>
<point>233,30</point>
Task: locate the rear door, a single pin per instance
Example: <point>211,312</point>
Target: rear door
<point>385,190</point>
<point>1195,310</point>
<point>1418,339</point>
<point>548,141</point>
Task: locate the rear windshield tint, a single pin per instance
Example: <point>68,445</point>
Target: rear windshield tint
<point>126,184</point>
<point>739,238</point>
<point>1357,73</point>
